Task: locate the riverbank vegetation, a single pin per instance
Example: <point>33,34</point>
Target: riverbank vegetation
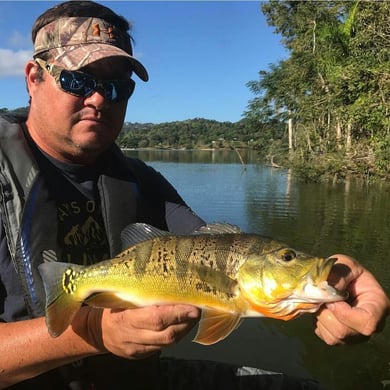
<point>332,90</point>
<point>323,111</point>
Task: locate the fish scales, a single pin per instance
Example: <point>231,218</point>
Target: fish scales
<point>239,250</point>
<point>165,267</point>
<point>223,248</point>
<point>119,274</point>
<point>162,257</point>
<point>228,275</point>
<point>171,257</point>
<point>225,252</point>
<point>165,255</point>
<point>142,253</point>
<point>203,252</point>
<point>213,252</point>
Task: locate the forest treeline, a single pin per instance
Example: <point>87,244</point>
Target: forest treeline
<point>195,133</point>
<point>332,90</point>
<point>324,110</point>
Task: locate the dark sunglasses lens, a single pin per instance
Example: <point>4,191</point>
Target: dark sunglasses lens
<point>119,90</point>
<point>83,85</point>
<point>77,83</point>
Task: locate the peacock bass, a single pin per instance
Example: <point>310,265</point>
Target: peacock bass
<point>230,275</point>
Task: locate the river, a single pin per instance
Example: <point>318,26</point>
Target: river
<point>323,219</point>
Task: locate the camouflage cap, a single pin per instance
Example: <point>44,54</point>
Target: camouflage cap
<point>75,42</point>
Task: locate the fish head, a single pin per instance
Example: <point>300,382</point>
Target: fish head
<point>284,283</point>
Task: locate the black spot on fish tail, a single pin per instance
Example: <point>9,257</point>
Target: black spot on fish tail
<point>68,280</point>
<point>61,305</point>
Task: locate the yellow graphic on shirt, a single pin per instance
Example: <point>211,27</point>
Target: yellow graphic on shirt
<point>83,233</point>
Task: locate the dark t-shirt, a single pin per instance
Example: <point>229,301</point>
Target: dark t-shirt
<point>81,234</point>
<point>82,237</point>
<point>81,231</point>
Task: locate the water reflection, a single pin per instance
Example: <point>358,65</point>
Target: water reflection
<point>318,218</point>
<point>213,156</point>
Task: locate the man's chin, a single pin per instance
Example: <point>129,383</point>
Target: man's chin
<point>88,150</point>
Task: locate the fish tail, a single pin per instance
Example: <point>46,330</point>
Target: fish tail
<point>61,304</point>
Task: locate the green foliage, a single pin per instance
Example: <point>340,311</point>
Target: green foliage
<point>21,111</point>
<point>334,86</point>
<point>382,155</point>
<point>196,133</point>
<point>324,110</point>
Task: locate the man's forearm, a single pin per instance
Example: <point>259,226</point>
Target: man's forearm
<point>27,349</point>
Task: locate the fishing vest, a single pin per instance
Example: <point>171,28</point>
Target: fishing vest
<point>32,235</point>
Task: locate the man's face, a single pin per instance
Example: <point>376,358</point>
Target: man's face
<point>72,128</point>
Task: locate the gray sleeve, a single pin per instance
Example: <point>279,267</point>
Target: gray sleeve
<point>181,219</point>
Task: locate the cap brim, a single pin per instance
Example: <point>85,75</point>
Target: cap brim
<point>77,56</point>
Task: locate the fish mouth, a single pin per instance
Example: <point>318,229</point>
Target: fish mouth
<point>316,287</point>
<point>323,268</point>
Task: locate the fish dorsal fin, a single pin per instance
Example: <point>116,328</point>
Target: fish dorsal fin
<point>218,228</point>
<point>138,232</point>
<point>215,326</point>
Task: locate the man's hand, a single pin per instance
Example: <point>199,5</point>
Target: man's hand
<point>141,332</point>
<point>362,314</point>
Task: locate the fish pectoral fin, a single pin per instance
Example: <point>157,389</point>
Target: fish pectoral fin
<point>216,325</point>
<point>108,300</point>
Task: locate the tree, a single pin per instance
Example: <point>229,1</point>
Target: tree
<point>334,86</point>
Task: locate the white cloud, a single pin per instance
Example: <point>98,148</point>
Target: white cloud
<point>19,40</point>
<point>12,62</point>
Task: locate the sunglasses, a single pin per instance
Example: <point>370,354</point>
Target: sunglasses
<point>82,84</point>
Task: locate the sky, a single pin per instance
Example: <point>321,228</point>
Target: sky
<point>199,54</point>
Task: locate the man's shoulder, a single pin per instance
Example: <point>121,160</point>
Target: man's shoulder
<point>140,168</point>
<point>9,117</point>
<point>10,125</point>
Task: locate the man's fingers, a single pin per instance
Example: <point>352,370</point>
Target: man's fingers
<point>158,318</point>
<point>362,320</point>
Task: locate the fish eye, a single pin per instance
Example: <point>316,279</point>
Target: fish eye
<point>287,255</point>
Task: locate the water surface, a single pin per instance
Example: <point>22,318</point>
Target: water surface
<point>317,218</point>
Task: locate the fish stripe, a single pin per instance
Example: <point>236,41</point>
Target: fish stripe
<point>184,248</point>
<point>142,255</point>
<point>223,251</point>
<point>203,252</point>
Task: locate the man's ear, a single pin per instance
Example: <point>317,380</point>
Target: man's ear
<point>32,75</point>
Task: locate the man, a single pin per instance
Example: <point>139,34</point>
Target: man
<point>67,192</point>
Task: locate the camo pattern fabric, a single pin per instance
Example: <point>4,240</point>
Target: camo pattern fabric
<point>79,31</point>
<point>75,42</point>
